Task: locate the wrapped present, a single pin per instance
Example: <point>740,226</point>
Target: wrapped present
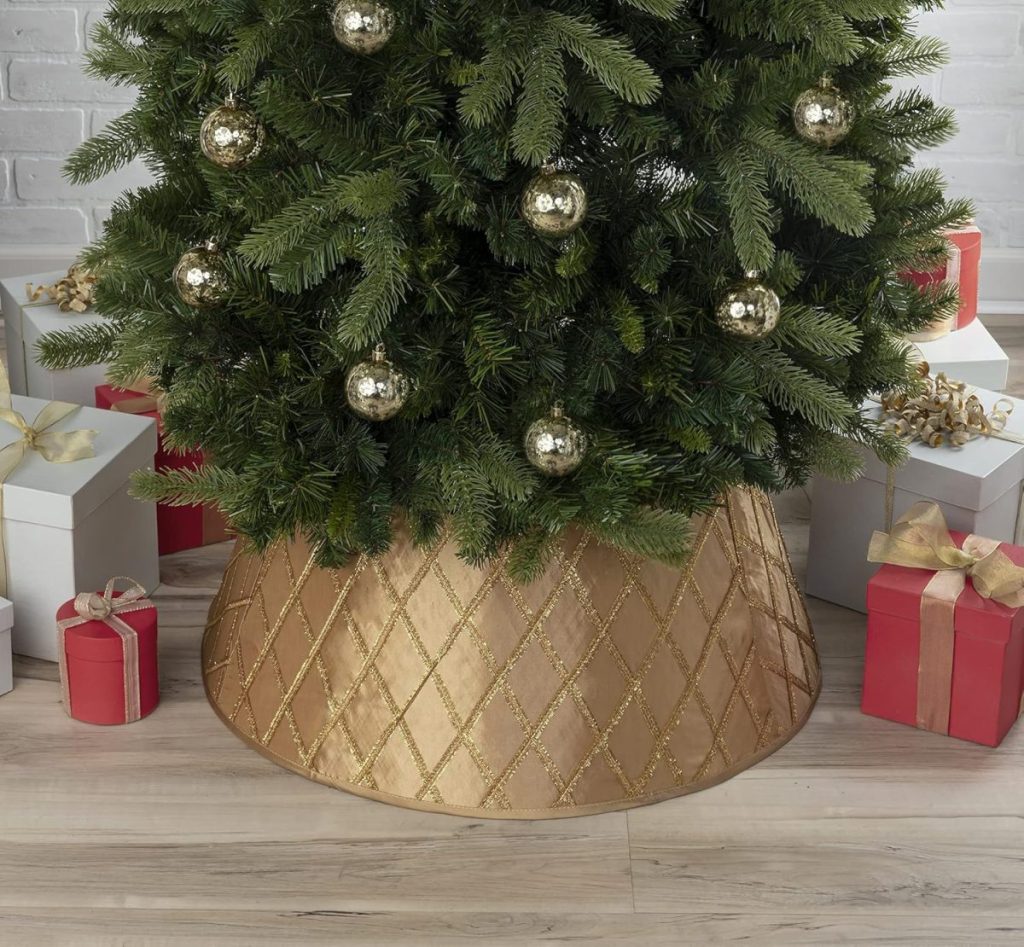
<point>6,658</point>
<point>977,485</point>
<point>34,306</point>
<point>971,355</point>
<point>67,519</point>
<point>107,651</point>
<point>963,270</point>
<point>178,527</point>
<point>945,647</point>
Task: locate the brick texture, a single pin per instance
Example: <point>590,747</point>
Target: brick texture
<point>47,106</point>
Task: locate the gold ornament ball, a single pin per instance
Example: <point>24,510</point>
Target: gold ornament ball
<point>363,26</point>
<point>231,136</point>
<point>823,116</point>
<point>376,390</point>
<point>750,310</point>
<point>555,203</point>
<point>554,445</point>
<point>201,276</point>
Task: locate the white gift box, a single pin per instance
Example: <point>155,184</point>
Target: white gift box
<point>978,487</point>
<point>70,527</point>
<point>24,324</point>
<point>969,354</point>
<point>6,661</point>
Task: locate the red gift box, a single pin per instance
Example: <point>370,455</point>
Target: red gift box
<point>178,527</point>
<point>962,269</point>
<point>108,655</point>
<point>963,677</point>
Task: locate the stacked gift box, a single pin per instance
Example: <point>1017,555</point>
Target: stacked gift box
<point>945,651</point>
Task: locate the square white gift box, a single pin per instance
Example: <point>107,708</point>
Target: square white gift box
<point>24,324</point>
<point>969,354</point>
<point>69,527</point>
<point>6,660</point>
<point>978,487</point>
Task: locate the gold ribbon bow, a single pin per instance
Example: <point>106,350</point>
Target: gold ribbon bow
<point>71,293</point>
<point>57,447</point>
<point>921,540</point>
<point>93,606</point>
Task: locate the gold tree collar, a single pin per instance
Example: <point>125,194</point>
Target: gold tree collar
<point>72,293</point>
<point>945,413</point>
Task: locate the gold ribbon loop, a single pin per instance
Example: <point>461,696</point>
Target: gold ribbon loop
<point>71,293</point>
<point>107,608</point>
<point>56,447</point>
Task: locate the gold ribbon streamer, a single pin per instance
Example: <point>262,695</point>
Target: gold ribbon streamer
<point>946,413</point>
<point>921,540</point>
<point>57,447</point>
<point>92,606</point>
<point>71,293</point>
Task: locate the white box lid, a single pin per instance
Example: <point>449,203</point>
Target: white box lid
<point>6,614</point>
<point>62,495</point>
<point>973,476</point>
<point>972,343</point>
<point>44,315</point>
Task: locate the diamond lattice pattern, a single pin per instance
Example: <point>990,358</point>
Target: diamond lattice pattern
<point>608,682</point>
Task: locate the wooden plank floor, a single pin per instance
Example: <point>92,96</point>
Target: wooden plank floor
<point>175,833</point>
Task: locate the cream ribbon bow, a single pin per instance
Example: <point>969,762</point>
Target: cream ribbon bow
<point>57,447</point>
<point>93,606</point>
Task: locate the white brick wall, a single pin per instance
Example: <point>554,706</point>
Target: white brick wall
<point>47,106</point>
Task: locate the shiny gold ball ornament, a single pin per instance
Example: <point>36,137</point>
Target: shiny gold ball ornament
<point>823,116</point>
<point>376,390</point>
<point>363,26</point>
<point>232,136</point>
<point>555,202</point>
<point>201,276</point>
<point>750,310</point>
<point>554,445</point>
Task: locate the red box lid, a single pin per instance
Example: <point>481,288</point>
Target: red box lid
<point>897,590</point>
<point>96,640</point>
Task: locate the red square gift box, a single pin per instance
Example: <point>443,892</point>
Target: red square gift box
<point>107,651</point>
<point>945,647</point>
<point>178,527</point>
<point>963,270</point>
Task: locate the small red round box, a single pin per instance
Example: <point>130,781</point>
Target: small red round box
<point>95,666</point>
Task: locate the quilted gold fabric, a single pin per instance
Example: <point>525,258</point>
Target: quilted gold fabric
<point>608,683</point>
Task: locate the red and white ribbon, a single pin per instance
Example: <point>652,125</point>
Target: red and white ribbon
<point>93,606</point>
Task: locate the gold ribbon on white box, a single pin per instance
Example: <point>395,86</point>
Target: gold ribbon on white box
<point>56,447</point>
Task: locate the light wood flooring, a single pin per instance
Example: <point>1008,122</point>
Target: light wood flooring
<point>175,833</point>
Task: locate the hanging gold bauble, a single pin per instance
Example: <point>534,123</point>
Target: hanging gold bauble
<point>201,276</point>
<point>555,202</point>
<point>376,390</point>
<point>554,445</point>
<point>231,135</point>
<point>822,115</point>
<point>363,26</point>
<point>750,310</point>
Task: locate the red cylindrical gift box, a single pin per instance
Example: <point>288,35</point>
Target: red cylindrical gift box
<point>94,665</point>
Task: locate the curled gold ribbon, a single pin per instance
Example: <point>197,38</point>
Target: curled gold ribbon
<point>945,413</point>
<point>921,540</point>
<point>71,293</point>
<point>104,607</point>
<point>57,447</point>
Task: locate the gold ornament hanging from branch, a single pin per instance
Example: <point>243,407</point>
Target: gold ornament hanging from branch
<point>363,27</point>
<point>823,115</point>
<point>555,203</point>
<point>376,390</point>
<point>201,276</point>
<point>750,310</point>
<point>555,445</point>
<point>231,136</point>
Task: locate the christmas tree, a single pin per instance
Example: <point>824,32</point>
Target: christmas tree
<point>504,267</point>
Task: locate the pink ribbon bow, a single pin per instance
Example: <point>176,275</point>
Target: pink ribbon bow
<point>93,606</point>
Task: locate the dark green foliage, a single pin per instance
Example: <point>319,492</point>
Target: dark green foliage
<point>385,208</point>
